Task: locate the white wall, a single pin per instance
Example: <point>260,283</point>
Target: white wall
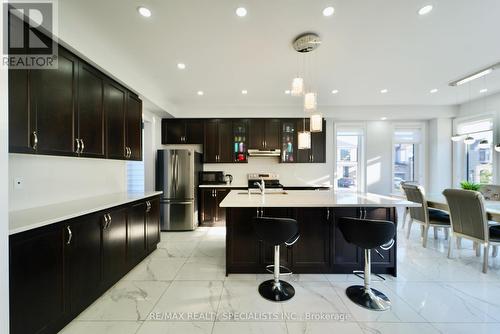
<point>49,179</point>
<point>440,155</point>
<point>379,157</point>
<point>4,197</point>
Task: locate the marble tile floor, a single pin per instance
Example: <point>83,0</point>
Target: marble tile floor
<point>182,288</point>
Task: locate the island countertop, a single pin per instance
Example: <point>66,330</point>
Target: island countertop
<point>311,198</point>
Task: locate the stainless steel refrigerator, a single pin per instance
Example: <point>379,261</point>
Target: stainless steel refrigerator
<point>177,173</point>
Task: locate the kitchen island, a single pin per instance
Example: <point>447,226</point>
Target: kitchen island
<point>321,247</point>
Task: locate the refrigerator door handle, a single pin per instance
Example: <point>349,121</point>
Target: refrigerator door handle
<point>183,203</point>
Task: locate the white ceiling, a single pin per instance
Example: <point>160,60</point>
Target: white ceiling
<point>367,45</point>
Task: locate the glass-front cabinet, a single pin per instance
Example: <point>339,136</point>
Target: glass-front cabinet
<point>240,138</point>
<point>288,141</point>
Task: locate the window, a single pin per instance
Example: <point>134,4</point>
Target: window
<point>135,173</point>
<point>348,153</point>
<point>407,145</point>
<point>478,157</point>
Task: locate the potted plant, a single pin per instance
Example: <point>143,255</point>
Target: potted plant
<point>470,185</point>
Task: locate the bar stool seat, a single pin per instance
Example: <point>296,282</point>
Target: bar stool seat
<point>276,231</point>
<point>367,234</point>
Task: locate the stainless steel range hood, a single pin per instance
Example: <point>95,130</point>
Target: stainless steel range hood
<point>263,153</point>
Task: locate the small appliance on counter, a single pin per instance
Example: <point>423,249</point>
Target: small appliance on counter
<point>271,181</point>
<point>214,177</point>
<point>228,178</point>
<point>177,172</point>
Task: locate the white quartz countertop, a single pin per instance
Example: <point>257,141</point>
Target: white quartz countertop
<point>28,219</point>
<point>312,198</point>
<point>232,185</point>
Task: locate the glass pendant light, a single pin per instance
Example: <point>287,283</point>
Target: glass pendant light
<point>316,123</point>
<point>484,144</point>
<point>304,138</point>
<point>497,147</point>
<point>297,86</point>
<point>469,140</point>
<point>310,102</point>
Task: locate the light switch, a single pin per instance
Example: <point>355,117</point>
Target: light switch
<point>18,183</point>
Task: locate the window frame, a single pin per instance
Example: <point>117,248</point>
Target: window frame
<point>361,163</point>
<point>420,153</point>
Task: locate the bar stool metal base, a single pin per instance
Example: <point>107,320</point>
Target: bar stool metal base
<point>276,291</point>
<point>371,299</point>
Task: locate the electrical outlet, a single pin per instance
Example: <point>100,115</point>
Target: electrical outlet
<point>18,183</point>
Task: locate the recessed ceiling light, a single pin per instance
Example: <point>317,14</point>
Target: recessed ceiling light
<point>383,91</point>
<point>244,92</point>
<point>144,11</point>
<point>434,90</point>
<point>287,92</point>
<point>241,11</point>
<point>200,93</point>
<point>383,118</point>
<point>425,10</point>
<point>335,91</point>
<point>328,11</point>
<point>484,90</point>
<point>181,66</point>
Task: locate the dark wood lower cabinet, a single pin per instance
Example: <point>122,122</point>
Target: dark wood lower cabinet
<point>321,247</point>
<point>56,271</point>
<point>210,212</point>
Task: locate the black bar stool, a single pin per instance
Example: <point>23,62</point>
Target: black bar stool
<point>367,234</point>
<point>276,231</point>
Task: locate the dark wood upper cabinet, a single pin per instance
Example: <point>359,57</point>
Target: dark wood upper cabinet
<point>134,127</point>
<point>37,280</point>
<point>21,123</point>
<point>114,107</point>
<point>217,145</point>
<point>272,140</point>
<point>182,131</point>
<point>90,112</point>
<point>52,102</point>
<point>318,145</point>
<point>257,133</point>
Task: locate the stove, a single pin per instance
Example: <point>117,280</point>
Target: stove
<point>271,181</point>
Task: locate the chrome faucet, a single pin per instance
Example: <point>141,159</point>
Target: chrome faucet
<point>261,185</point>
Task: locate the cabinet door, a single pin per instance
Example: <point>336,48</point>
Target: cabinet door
<point>114,247</point>
<point>194,131</point>
<point>272,139</point>
<point>153,224</point>
<point>243,255</point>
<point>90,120</point>
<point>220,213</point>
<point>256,130</point>
<point>134,127</point>
<point>225,133</point>
<point>136,233</point>
<point>53,95</point>
<point>318,145</point>
<point>208,205</point>
<point>37,280</point>
<point>312,251</point>
<point>84,261</point>
<point>211,142</point>
<point>173,131</point>
<point>288,141</point>
<point>114,107</point>
<point>345,255</point>
<point>21,123</point>
<point>303,155</point>
<point>240,140</point>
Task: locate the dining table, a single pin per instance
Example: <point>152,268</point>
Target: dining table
<point>438,201</point>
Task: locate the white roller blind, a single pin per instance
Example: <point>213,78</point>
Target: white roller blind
<point>409,136</point>
<point>474,126</point>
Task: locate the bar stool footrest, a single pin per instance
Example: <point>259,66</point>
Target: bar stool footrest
<point>361,274</point>
<point>284,271</point>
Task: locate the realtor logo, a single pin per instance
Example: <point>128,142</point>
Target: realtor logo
<point>29,39</point>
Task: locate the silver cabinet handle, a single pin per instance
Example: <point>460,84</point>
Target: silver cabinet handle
<point>109,220</point>
<point>327,214</point>
<point>83,146</point>
<point>35,140</point>
<point>70,235</point>
<point>148,206</point>
<point>106,221</point>
<point>77,145</point>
